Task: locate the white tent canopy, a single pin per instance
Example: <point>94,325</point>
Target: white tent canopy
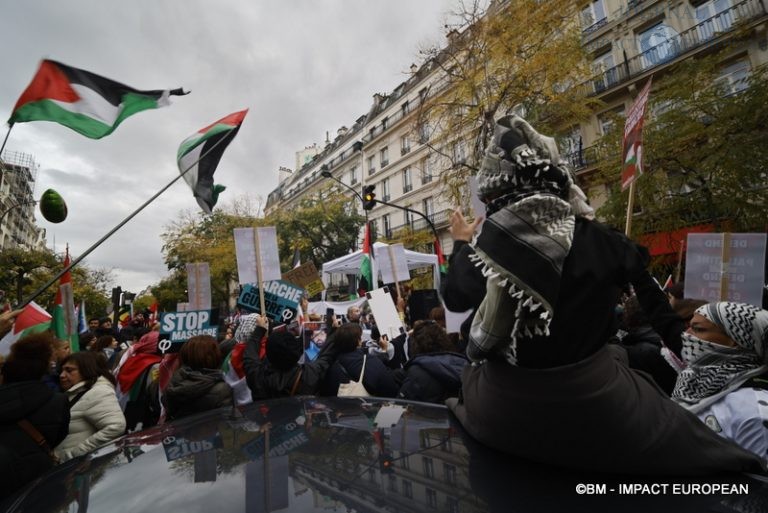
<point>350,264</point>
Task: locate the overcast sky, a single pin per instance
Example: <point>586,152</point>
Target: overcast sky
<point>303,67</point>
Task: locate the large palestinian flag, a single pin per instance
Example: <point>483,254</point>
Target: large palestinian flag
<point>87,103</point>
<point>200,153</point>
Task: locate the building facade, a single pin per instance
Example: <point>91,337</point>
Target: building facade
<point>18,172</point>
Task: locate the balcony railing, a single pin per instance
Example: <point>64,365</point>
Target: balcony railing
<point>686,41</point>
<point>582,158</point>
<point>418,223</point>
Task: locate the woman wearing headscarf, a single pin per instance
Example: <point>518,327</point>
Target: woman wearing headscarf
<point>544,384</point>
<point>724,372</point>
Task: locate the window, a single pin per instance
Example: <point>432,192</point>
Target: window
<point>713,17</point>
<point>407,184</point>
<point>384,156</point>
<point>571,148</point>
<point>422,95</point>
<point>405,108</point>
<point>374,229</point>
<point>431,498</point>
<point>384,124</point>
<point>353,175</point>
<point>387,226</point>
<point>459,153</point>
<point>452,504</point>
<point>371,475</point>
<point>657,44</point>
<point>425,130</point>
<point>607,120</point>
<point>428,208</point>
<point>404,461</point>
<point>605,73</point>
<point>407,489</point>
<point>429,470</point>
<point>427,166</point>
<point>405,145</point>
<point>733,78</point>
<point>408,217</point>
<point>593,16</point>
<point>450,473</point>
<point>385,189</point>
<point>371,166</point>
<point>392,485</point>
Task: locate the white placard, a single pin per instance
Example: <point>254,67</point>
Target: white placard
<point>385,313</point>
<point>199,286</point>
<point>478,207</point>
<point>182,307</point>
<point>388,416</point>
<point>454,320</point>
<point>245,253</point>
<point>743,272</point>
<point>385,256</point>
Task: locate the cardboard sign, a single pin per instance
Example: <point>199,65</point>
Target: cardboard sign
<point>281,299</point>
<point>199,286</point>
<point>176,447</point>
<point>178,327</point>
<point>742,277</point>
<point>392,263</point>
<point>306,277</point>
<point>384,311</point>
<point>247,242</point>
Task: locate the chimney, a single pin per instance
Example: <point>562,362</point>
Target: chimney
<point>414,69</point>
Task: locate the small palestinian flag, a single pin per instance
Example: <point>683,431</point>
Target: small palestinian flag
<point>199,156</point>
<point>32,319</point>
<point>87,103</point>
<point>441,263</point>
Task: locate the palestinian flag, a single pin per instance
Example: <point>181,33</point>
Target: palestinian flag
<point>366,265</point>
<point>199,155</point>
<point>32,319</point>
<point>234,375</point>
<point>441,262</point>
<point>87,103</point>
<point>64,321</point>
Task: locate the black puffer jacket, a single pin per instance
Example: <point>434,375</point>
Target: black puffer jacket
<point>378,379</point>
<point>433,377</point>
<point>192,391</point>
<point>21,459</point>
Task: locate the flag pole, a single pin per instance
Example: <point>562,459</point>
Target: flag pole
<point>630,209</point>
<point>10,127</point>
<point>122,223</point>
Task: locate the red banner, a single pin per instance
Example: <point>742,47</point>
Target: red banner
<point>633,139</point>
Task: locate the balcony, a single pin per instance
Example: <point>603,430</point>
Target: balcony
<point>579,159</point>
<point>699,35</point>
<point>440,219</point>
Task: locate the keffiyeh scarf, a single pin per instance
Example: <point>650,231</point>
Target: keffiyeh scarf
<point>713,370</point>
<point>532,205</point>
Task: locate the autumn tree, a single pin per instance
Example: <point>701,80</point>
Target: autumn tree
<point>704,153</point>
<point>524,56</point>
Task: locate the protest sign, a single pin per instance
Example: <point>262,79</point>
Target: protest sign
<point>247,242</point>
<point>177,327</point>
<point>281,300</point>
<point>306,277</point>
<point>633,138</point>
<point>284,439</point>
<point>199,286</point>
<point>384,312</point>
<point>392,263</point>
<point>740,279</point>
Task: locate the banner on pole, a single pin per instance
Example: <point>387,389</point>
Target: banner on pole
<point>281,300</point>
<point>742,275</point>
<point>633,139</point>
<point>199,286</point>
<point>245,253</point>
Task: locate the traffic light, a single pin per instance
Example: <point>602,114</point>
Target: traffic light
<point>369,197</point>
<point>386,465</point>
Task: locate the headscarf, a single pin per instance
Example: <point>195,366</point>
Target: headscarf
<point>714,370</point>
<point>532,204</point>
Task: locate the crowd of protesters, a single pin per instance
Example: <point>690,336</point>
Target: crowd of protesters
<point>573,354</point>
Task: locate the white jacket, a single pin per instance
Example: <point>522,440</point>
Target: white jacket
<point>96,419</point>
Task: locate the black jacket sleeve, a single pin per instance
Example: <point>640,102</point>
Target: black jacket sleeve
<point>252,364</point>
<point>314,372</point>
<point>656,306</point>
<point>463,288</point>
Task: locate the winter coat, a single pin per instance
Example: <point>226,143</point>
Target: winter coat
<point>378,379</point>
<point>433,377</point>
<point>21,459</point>
<point>266,381</point>
<point>192,391</point>
<point>96,419</point>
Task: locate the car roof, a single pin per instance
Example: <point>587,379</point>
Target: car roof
<point>344,454</point>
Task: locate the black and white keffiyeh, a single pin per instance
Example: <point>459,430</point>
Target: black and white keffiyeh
<point>532,204</point>
<point>246,327</point>
<point>712,370</point>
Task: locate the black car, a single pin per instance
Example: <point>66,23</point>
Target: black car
<point>348,454</point>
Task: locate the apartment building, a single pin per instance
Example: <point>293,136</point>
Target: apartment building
<point>631,40</point>
<point>18,172</point>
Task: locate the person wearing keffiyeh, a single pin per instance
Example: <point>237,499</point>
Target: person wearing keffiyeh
<point>544,384</point>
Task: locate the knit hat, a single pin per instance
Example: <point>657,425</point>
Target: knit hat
<point>283,350</point>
